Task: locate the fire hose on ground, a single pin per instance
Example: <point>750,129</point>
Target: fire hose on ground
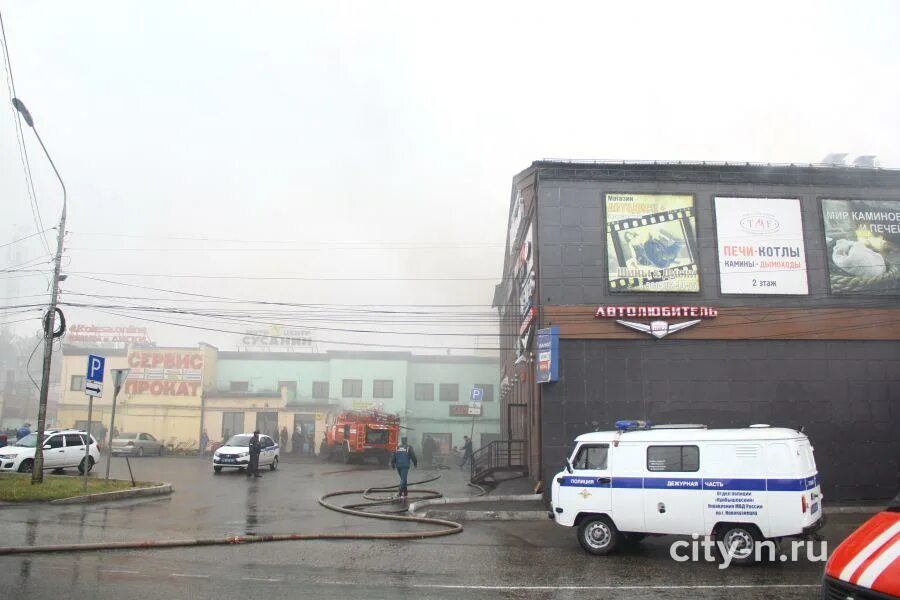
<point>359,510</point>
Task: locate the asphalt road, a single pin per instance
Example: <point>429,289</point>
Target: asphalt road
<point>496,559</point>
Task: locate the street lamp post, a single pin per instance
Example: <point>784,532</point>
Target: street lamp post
<point>37,475</point>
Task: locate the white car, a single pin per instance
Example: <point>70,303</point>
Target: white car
<point>235,454</point>
<point>63,448</point>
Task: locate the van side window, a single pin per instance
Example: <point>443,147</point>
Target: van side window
<point>592,457</point>
<point>673,458</point>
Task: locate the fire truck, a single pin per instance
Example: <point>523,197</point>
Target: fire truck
<point>354,435</point>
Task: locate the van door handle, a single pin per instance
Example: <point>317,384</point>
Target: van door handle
<point>604,480</point>
<point>661,508</point>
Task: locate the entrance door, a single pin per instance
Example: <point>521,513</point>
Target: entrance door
<point>232,424</point>
<point>517,421</point>
<point>267,423</point>
<point>487,438</point>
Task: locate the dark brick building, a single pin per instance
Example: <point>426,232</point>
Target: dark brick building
<point>799,264</point>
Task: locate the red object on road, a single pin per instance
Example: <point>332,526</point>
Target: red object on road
<point>867,563</point>
<point>354,435</point>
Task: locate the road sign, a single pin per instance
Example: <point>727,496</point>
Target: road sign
<point>95,368</point>
<point>477,394</point>
<point>93,384</point>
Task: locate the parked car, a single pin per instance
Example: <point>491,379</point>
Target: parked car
<point>867,563</point>
<point>235,454</point>
<point>136,444</point>
<point>63,448</point>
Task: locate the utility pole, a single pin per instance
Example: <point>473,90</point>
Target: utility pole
<point>37,475</point>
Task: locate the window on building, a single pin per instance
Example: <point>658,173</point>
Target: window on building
<point>383,388</point>
<point>351,388</point>
<point>320,390</point>
<point>488,391</point>
<point>77,383</point>
<point>232,424</point>
<point>673,458</point>
<point>239,386</point>
<point>291,387</point>
<point>424,392</point>
<point>592,457</point>
<point>449,392</point>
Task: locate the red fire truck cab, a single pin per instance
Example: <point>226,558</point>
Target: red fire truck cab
<point>354,435</point>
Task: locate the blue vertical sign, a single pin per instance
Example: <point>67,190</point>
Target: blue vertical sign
<point>547,364</point>
<point>93,384</point>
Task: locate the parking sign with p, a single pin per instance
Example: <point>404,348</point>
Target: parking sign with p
<point>93,384</point>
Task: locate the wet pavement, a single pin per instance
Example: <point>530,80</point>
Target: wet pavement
<point>496,559</point>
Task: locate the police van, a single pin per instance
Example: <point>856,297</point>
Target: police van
<point>740,486</point>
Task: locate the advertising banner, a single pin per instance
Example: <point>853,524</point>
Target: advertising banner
<point>652,243</point>
<point>547,365</point>
<point>761,247</point>
<point>862,239</point>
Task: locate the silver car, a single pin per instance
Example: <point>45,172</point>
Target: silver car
<point>136,444</point>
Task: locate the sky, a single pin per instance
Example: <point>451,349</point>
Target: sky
<point>358,156</point>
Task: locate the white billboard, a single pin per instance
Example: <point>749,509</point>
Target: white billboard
<point>761,247</point>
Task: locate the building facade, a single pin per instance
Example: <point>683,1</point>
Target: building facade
<point>175,393</point>
<point>720,294</point>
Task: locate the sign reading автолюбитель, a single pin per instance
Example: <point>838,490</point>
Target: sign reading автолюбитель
<point>862,239</point>
<point>761,247</point>
<point>652,243</point>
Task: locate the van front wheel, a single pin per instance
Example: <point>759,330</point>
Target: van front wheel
<point>598,535</point>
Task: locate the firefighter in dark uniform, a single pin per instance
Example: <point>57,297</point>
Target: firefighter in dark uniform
<point>401,459</point>
<point>253,467</point>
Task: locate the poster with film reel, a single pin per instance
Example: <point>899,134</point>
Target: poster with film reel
<point>652,243</point>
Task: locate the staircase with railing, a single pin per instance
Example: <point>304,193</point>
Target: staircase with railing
<point>496,457</point>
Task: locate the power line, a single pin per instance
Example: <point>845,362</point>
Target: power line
<point>213,329</point>
<point>329,246</point>
<point>20,138</point>
<point>22,239</point>
<point>283,277</point>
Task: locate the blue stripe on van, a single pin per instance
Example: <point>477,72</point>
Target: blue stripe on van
<point>584,482</point>
<point>669,483</point>
<point>692,483</point>
<point>628,482</point>
<point>734,484</point>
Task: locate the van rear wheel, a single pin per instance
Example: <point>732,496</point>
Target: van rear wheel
<point>598,535</point>
<point>739,541</point>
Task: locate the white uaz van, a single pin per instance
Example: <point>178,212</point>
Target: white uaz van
<point>740,486</point>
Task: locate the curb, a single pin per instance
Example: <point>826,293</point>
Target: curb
<point>156,490</point>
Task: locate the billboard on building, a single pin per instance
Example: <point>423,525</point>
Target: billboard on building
<point>862,241</point>
<point>760,242</point>
<point>652,243</point>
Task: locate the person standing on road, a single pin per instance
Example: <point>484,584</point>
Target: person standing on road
<point>401,459</point>
<point>284,438</point>
<point>204,442</point>
<point>23,431</point>
<point>296,442</point>
<point>467,452</point>
<point>428,450</point>
<point>253,466</point>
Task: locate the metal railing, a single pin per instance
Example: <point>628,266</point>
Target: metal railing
<point>499,455</point>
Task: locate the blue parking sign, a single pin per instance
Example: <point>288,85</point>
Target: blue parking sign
<point>95,365</point>
<point>477,394</point>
